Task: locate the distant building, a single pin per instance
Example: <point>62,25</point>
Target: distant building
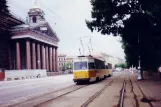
<point>112,59</point>
<point>64,59</point>
<point>61,60</point>
<point>69,59</point>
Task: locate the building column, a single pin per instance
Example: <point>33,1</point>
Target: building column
<point>56,59</point>
<point>43,56</point>
<point>47,57</point>
<point>28,55</point>
<point>33,56</point>
<point>18,60</point>
<point>38,57</point>
<point>50,59</point>
<point>53,59</point>
<point>10,60</point>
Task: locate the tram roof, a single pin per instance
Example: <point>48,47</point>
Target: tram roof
<point>91,57</point>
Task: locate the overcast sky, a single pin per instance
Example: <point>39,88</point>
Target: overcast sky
<point>67,18</point>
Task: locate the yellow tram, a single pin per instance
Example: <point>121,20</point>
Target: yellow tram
<point>90,69</point>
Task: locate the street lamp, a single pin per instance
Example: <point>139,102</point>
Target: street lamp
<point>139,67</point>
<point>139,71</point>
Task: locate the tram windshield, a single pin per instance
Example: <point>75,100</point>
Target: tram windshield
<point>80,65</point>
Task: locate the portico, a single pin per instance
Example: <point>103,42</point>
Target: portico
<point>34,45</point>
<point>38,55</point>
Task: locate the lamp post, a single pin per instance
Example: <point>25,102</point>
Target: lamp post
<point>139,71</point>
<point>139,66</point>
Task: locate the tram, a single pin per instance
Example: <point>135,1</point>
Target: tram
<point>90,69</point>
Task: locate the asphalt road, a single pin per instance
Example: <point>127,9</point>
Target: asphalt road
<point>19,89</point>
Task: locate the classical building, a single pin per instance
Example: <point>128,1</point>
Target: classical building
<point>34,45</point>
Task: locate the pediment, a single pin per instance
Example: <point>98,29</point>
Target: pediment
<point>46,29</point>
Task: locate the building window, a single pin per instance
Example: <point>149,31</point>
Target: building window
<point>34,19</point>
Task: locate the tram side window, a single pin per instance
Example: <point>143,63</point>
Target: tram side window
<point>91,66</point>
<point>106,67</point>
<point>99,64</point>
<point>102,65</point>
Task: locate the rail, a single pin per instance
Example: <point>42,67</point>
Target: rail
<point>95,95</point>
<point>122,95</point>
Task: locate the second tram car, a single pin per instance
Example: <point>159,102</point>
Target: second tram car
<point>90,69</point>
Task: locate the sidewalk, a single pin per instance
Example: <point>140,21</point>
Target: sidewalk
<point>151,87</point>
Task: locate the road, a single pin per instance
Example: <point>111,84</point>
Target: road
<point>11,91</point>
<point>50,91</point>
<point>106,93</point>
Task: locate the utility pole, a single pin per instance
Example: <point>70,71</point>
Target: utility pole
<point>139,66</point>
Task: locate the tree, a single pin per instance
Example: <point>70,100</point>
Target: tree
<point>122,65</point>
<point>138,22</point>
<point>67,66</point>
<point>116,66</point>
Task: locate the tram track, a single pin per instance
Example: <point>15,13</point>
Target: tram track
<point>96,95</point>
<point>86,103</point>
<point>121,101</point>
<point>55,96</point>
<point>123,93</point>
<point>135,96</point>
<point>131,82</point>
<point>63,94</point>
<point>30,101</point>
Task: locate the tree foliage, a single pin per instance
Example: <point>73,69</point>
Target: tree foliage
<point>138,22</point>
<point>122,65</point>
<point>67,66</point>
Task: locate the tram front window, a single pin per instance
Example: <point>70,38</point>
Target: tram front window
<point>80,65</point>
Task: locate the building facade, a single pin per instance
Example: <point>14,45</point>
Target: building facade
<point>34,45</point>
<point>111,59</point>
<point>64,60</point>
<point>61,60</point>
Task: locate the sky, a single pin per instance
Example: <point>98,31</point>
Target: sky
<point>67,18</point>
